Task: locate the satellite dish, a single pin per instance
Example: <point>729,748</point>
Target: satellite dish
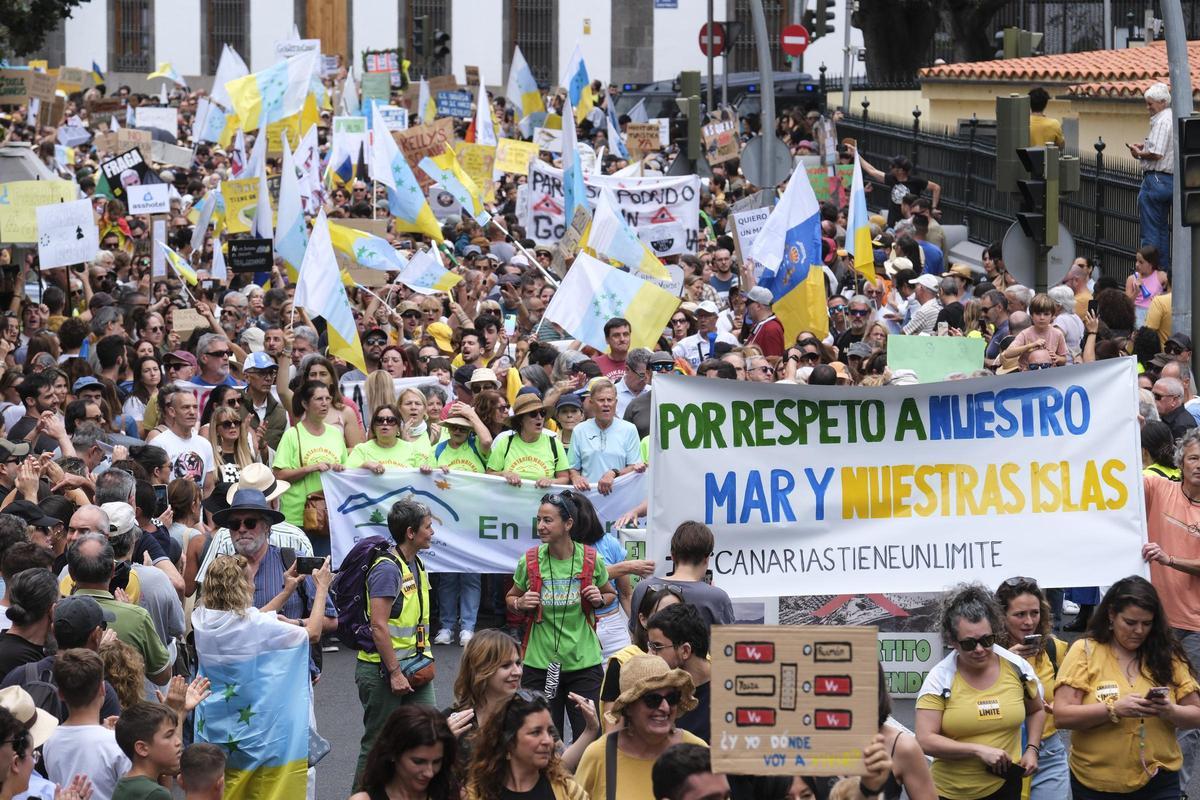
<point>1020,256</point>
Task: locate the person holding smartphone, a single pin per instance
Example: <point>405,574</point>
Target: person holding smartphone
<point>1124,691</point>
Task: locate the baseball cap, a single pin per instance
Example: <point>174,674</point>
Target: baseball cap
<point>77,615</point>
<point>463,374</point>
<point>101,299</point>
<point>758,294</point>
<point>12,451</point>
<point>1182,339</point>
<point>709,307</point>
<point>180,357</point>
<point>254,338</point>
<point>32,514</point>
<point>84,382</point>
<point>859,350</point>
<point>472,250</point>
<point>259,362</point>
<point>928,281</point>
<point>662,357</point>
<point>120,518</point>
<point>441,334</point>
<point>569,400</point>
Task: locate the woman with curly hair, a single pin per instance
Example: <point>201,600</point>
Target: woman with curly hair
<point>516,755</point>
<point>1123,692</point>
<point>413,757</point>
<point>125,669</point>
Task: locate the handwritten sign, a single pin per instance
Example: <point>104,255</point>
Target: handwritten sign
<point>165,119</point>
<point>121,140</point>
<point>720,142</point>
<point>19,201</point>
<point>67,233</point>
<point>394,117</point>
<point>186,320</point>
<point>477,161</point>
<point>472,75</point>
<point>935,357</point>
<point>793,700</point>
<point>442,83</point>
<point>419,141</point>
<point>513,155</point>
<point>454,104</point>
<point>642,137</point>
<point>548,139</point>
<point>377,86</point>
<point>746,225</point>
<point>19,86</point>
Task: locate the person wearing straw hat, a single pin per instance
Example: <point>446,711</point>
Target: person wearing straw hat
<point>35,727</point>
<point>527,451</point>
<point>652,696</point>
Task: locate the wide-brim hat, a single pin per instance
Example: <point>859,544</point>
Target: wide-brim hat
<point>526,403</point>
<point>247,500</point>
<point>19,703</point>
<point>647,673</point>
<point>258,476</point>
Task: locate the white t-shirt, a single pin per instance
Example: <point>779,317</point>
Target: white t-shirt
<point>190,458</point>
<point>694,348</point>
<point>85,750</point>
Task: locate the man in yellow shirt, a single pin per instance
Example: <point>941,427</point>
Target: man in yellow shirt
<point>1043,129</point>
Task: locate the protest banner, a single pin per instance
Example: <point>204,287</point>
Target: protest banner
<point>549,139</point>
<point>183,322</point>
<point>807,489</point>
<point>294,47</point>
<point>126,171</point>
<point>376,86</point>
<point>454,104</point>
<point>907,659</point>
<point>250,255</point>
<point>103,109</point>
<point>289,127</point>
<point>420,141</point>
<point>795,700</point>
<point>833,188</point>
<point>355,389</point>
<point>514,156</point>
<point>652,206</point>
<point>67,233</point>
<point>478,161</point>
<point>472,75</point>
<point>642,137</point>
<point>71,79</point>
<point>164,119</point>
<point>394,117</point>
<point>480,523</point>
<point>720,141</point>
<point>350,138</point>
<point>121,140</point>
<point>933,358</point>
<point>153,198</point>
<point>241,200</point>
<point>20,86</point>
<point>19,201</point>
<point>746,225</point>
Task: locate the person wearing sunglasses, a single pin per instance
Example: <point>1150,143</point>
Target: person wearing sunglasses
<point>859,312</point>
<point>1038,360</point>
<point>234,446</point>
<point>385,447</point>
<point>974,702</point>
<point>652,697</point>
<point>526,451</point>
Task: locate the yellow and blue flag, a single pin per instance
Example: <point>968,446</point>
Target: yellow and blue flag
<point>97,73</point>
<point>449,174</point>
<point>574,191</point>
<point>592,293</point>
<point>616,140</point>
<point>611,237</point>
<point>425,274</point>
<point>579,85</point>
<point>291,234</point>
<point>165,70</point>
<point>259,707</point>
<point>522,88</point>
<point>320,292</point>
<point>365,249</point>
<point>277,92</point>
<point>178,263</point>
<point>858,228</point>
<point>406,201</point>
<point>789,250</point>
<point>426,108</point>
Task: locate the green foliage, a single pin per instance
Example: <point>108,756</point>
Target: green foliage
<point>24,24</point>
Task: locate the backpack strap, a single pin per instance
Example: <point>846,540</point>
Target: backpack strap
<point>471,443</point>
<point>610,766</point>
<point>440,448</point>
<point>533,577</point>
<point>1052,653</point>
<point>586,576</point>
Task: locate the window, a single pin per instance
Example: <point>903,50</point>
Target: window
<point>437,18</point>
<point>132,36</point>
<point>744,57</point>
<point>533,26</point>
<point>225,22</point>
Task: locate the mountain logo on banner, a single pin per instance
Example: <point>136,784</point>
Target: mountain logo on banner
<point>547,205</point>
<point>661,216</point>
<point>383,503</point>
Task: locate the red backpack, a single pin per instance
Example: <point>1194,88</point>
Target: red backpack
<point>533,574</point>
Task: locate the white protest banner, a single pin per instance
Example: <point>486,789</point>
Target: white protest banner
<point>294,47</point>
<point>165,119</point>
<point>356,391</point>
<point>650,204</point>
<point>151,198</point>
<point>746,225</point>
<point>904,488</point>
<point>67,233</point>
<point>480,523</point>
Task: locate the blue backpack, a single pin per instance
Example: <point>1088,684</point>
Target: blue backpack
<point>349,591</point>
<point>441,448</point>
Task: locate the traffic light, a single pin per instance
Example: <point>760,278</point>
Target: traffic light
<point>1012,133</point>
<point>824,19</point>
<point>1021,43</point>
<point>809,20</point>
<point>1038,216</point>
<point>1189,141</point>
<point>441,44</point>
<point>420,36</point>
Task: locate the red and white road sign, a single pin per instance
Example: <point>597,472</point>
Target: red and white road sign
<point>718,39</point>
<point>794,40</point>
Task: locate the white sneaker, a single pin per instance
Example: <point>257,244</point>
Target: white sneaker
<point>1070,608</point>
<point>464,638</point>
<point>443,637</point>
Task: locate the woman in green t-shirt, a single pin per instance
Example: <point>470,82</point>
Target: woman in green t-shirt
<point>562,651</point>
<point>529,452</point>
<point>307,449</point>
<point>385,449</point>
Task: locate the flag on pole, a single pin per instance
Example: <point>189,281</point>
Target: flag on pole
<point>425,274</point>
<point>638,112</point>
<point>237,155</point>
<point>165,70</point>
<point>351,107</point>
<point>858,228</point>
<point>579,85</point>
<point>218,270</point>
<point>450,175</point>
<point>178,263</point>
<point>426,108</point>
<point>522,89</point>
<point>365,249</point>
<point>229,68</point>
<point>204,217</point>
<point>575,193</point>
<point>97,73</point>
<point>616,141</point>
<point>320,292</point>
<point>592,293</point>
<point>485,131</point>
<point>609,235</point>
<point>291,235</point>
<point>261,98</point>
<point>789,249</point>
<point>307,158</point>
<point>406,201</point>
<point>263,225</point>
<point>256,164</point>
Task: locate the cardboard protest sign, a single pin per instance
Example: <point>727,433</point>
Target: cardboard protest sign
<point>172,154</point>
<point>361,275</point>
<point>454,104</point>
<point>420,141</point>
<point>19,86</point>
<point>19,201</point>
<point>376,86</point>
<point>746,225</point>
<point>289,127</point>
<point>568,245</point>
<point>241,200</point>
<point>642,137</point>
<point>186,320</point>
<point>72,79</point>
<point>165,119</point>
<point>154,198</point>
<point>250,255</point>
<point>720,142</point>
<point>472,75</point>
<point>477,161</point>
<point>442,83</point>
<point>514,156</point>
<point>67,233</point>
<point>935,357</point>
<point>127,170</point>
<point>121,140</point>
<point>103,109</point>
<point>793,700</point>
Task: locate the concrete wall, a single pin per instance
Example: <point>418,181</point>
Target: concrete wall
<point>476,39</point>
<point>87,36</point>
<point>171,19</point>
<point>588,24</point>
<point>270,21</point>
<point>375,25</point>
<point>676,43</point>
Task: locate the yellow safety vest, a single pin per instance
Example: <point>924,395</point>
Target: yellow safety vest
<point>409,621</point>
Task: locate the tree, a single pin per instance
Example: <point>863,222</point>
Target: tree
<point>897,33</point>
<point>969,23</point>
<point>25,24</point>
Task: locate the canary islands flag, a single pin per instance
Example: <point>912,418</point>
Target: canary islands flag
<point>291,235</point>
<point>574,190</point>
<point>406,201</point>
<point>858,229</point>
<point>277,92</point>
<point>165,70</point>
<point>365,249</point>
<point>425,274</point>
<point>610,236</point>
<point>522,89</point>
<point>450,175</point>
<point>319,291</point>
<point>259,707</point>
<point>178,263</point>
<point>789,249</point>
<point>579,85</point>
<point>592,293</point>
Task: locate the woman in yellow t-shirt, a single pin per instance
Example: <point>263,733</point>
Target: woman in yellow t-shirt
<point>1027,634</point>
<point>385,449</point>
<point>1123,691</point>
<point>973,703</point>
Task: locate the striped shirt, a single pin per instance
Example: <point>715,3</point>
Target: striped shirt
<point>924,319</point>
<point>283,534</point>
<point>1161,140</point>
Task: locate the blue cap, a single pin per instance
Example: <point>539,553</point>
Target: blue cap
<point>569,401</point>
<point>259,361</point>
<point>85,381</point>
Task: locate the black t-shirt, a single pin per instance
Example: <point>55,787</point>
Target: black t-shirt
<point>542,790</point>
<point>897,191</point>
<point>697,720</point>
<point>845,340</point>
<point>952,315</point>
<point>16,651</point>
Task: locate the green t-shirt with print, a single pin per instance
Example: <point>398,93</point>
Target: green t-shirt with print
<point>300,448</point>
<point>563,635</point>
<point>541,459</point>
<point>466,458</point>
<point>402,454</point>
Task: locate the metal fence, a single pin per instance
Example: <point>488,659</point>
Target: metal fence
<point>1102,216</point>
<point>131,44</point>
<point>225,22</point>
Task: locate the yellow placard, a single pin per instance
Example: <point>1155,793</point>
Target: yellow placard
<point>293,127</point>
<point>477,161</point>
<point>18,206</point>
<point>513,155</point>
<point>241,201</point>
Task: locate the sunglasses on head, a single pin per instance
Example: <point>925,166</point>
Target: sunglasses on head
<point>971,642</point>
<point>653,700</point>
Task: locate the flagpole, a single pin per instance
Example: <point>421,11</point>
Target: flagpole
<point>532,258</point>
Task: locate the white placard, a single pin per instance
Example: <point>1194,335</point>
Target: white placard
<point>294,47</point>
<point>149,198</point>
<point>395,117</point>
<point>67,233</point>
<point>158,259</point>
<point>444,204</point>
<point>165,119</point>
<point>747,224</point>
<point>664,130</point>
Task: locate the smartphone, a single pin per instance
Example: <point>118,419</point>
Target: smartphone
<point>708,576</point>
<point>1157,692</point>
<point>510,325</point>
<point>306,565</point>
<point>943,328</point>
<point>160,499</point>
<point>1033,640</point>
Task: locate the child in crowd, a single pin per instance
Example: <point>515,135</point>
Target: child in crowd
<point>81,745</point>
<point>202,772</point>
<point>149,735</point>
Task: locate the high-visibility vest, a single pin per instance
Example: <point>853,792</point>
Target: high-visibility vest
<point>408,621</point>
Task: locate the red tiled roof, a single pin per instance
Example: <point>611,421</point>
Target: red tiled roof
<point>1097,73</point>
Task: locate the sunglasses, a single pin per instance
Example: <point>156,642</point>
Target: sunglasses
<point>655,647</point>
<point>376,342</point>
<point>680,321</point>
<point>812,357</point>
<point>249,523</point>
<point>860,312</point>
<point>385,421</point>
<point>1157,395</point>
<point>662,368</point>
<point>653,700</point>
<point>425,359</point>
<point>155,329</point>
<point>230,423</point>
<point>1042,366</point>
<point>411,315</point>
<point>1172,349</point>
<point>971,642</point>
<point>837,309</point>
<point>219,354</point>
<point>232,402</point>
